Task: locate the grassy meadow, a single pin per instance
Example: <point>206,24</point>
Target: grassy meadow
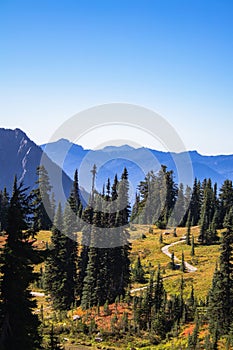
<point>147,245</point>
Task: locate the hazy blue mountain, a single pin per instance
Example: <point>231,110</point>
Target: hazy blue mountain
<point>20,156</point>
<point>112,159</point>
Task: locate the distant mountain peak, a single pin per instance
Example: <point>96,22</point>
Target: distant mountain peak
<point>61,143</point>
<point>123,148</point>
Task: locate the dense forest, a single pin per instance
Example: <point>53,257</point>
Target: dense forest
<point>96,270</point>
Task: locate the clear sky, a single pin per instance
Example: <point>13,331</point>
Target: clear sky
<point>58,57</point>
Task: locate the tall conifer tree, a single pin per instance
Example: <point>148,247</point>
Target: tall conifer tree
<point>19,326</point>
<point>220,308</point>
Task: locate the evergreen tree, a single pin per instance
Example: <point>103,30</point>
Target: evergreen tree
<point>161,238</point>
<point>195,203</point>
<point>174,232</point>
<point>60,269</point>
<point>156,199</point>
<point>53,206</point>
<point>138,274</point>
<point>43,212</point>
<point>220,307</point>
<point>54,267</point>
<point>182,265</point>
<point>181,297</point>
<point>19,326</point>
<point>71,224</point>
<point>91,294</point>
<point>74,199</point>
<point>192,246</point>
<point>193,339</point>
<point>212,231</point>
<point>114,188</point>
<point>179,209</point>
<point>170,194</point>
<point>4,205</point>
<point>215,337</point>
<point>173,265</point>
<point>191,304</point>
<point>188,232</point>
<point>122,250</point>
<point>145,311</point>
<point>187,205</point>
<point>159,291</point>
<point>70,252</point>
<point>207,212</point>
<point>87,217</point>
<point>135,210</point>
<point>225,199</point>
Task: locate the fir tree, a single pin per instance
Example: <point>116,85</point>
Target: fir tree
<point>182,265</point>
<point>188,242</point>
<point>74,199</point>
<point>4,205</point>
<point>220,307</point>
<point>193,339</point>
<point>91,294</point>
<point>135,210</point>
<point>174,232</point>
<point>70,252</point>
<point>43,212</point>
<point>179,209</point>
<point>138,274</point>
<point>19,326</point>
<point>170,193</point>
<point>159,291</point>
<point>161,238</point>
<point>192,246</point>
<point>173,265</point>
<point>226,200</point>
<point>87,217</point>
<point>207,212</point>
<point>123,247</point>
<point>60,269</point>
<point>54,267</point>
<point>195,203</point>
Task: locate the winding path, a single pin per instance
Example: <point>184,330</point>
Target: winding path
<point>165,250</point>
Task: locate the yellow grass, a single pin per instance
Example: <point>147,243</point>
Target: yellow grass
<point>149,250</point>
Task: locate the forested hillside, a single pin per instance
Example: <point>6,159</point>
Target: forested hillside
<point>156,275</point>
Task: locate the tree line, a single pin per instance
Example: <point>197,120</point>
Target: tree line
<point>90,274</point>
<point>162,202</point>
<point>98,271</point>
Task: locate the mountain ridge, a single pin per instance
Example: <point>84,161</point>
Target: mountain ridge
<point>20,156</point>
<point>112,159</point>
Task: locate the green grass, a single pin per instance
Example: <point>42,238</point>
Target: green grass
<point>149,249</point>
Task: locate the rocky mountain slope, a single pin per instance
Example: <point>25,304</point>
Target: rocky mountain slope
<point>20,156</point>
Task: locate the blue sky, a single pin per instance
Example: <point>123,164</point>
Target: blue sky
<point>59,57</point>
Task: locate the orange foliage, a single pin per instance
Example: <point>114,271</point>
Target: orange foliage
<point>188,330</point>
<point>101,319</point>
